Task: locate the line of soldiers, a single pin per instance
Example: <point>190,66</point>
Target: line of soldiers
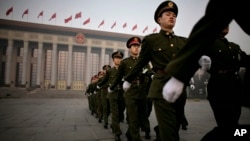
<point>106,95</point>
<point>132,85</point>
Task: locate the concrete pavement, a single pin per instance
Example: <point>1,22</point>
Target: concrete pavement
<point>50,115</point>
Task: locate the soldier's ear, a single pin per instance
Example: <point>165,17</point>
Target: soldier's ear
<point>158,19</point>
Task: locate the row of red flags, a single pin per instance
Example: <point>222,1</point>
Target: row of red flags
<point>78,15</point>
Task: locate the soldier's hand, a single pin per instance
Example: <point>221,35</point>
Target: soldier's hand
<point>192,87</point>
<point>98,87</point>
<point>126,85</point>
<point>172,90</point>
<point>152,76</point>
<point>95,92</point>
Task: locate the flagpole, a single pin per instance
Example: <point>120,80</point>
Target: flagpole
<point>12,15</point>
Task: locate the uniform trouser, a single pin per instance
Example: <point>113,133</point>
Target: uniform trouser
<point>115,115</point>
<point>89,102</point>
<point>169,117</point>
<point>105,105</point>
<point>225,103</point>
<point>137,117</point>
<point>99,106</point>
<point>92,103</point>
<point>149,106</point>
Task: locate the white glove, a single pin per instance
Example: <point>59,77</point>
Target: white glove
<point>109,90</point>
<point>192,87</point>
<point>172,90</point>
<point>152,76</point>
<point>98,87</point>
<point>126,85</point>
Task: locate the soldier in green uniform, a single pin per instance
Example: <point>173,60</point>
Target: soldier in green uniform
<point>135,97</point>
<point>159,49</point>
<point>104,99</point>
<point>224,85</point>
<point>91,95</point>
<point>97,92</point>
<point>115,97</point>
<point>88,94</point>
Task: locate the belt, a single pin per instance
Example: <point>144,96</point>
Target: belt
<point>229,72</point>
<point>136,82</point>
<point>161,71</point>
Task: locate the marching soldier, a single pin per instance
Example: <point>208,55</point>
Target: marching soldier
<point>104,98</point>
<point>91,96</point>
<point>224,85</point>
<point>99,107</point>
<point>116,97</point>
<point>159,49</point>
<point>135,97</point>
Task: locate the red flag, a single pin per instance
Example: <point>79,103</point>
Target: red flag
<point>102,23</point>
<point>40,14</point>
<point>114,24</point>
<point>25,12</point>
<point>144,30</point>
<point>9,11</point>
<point>53,16</point>
<point>124,25</point>
<point>86,21</point>
<point>78,15</point>
<point>68,19</point>
<point>155,30</point>
<point>134,27</point>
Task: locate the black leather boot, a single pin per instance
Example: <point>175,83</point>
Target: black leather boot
<point>156,129</point>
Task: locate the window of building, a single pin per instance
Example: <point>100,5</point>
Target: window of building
<point>33,75</point>
<point>19,69</point>
<point>62,65</point>
<point>78,66</point>
<point>48,64</point>
<point>95,64</point>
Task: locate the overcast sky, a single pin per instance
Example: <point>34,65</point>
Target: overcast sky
<point>132,12</point>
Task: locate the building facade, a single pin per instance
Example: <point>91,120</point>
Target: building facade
<point>45,56</point>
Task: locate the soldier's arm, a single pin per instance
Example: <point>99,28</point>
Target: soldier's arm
<point>119,76</point>
<point>102,81</point>
<point>143,60</point>
<point>148,71</point>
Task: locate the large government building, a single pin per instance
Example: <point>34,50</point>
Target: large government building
<point>44,56</point>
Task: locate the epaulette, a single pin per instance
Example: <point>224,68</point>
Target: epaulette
<point>182,37</point>
<point>125,59</point>
<point>151,35</point>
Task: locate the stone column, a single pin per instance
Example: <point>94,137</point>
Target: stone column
<point>54,66</point>
<point>70,64</point>
<point>126,54</point>
<point>24,81</point>
<point>102,58</point>
<point>39,65</point>
<point>8,62</point>
<point>88,65</point>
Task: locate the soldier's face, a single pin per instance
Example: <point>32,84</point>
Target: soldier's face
<point>167,20</point>
<point>135,49</point>
<point>117,60</point>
